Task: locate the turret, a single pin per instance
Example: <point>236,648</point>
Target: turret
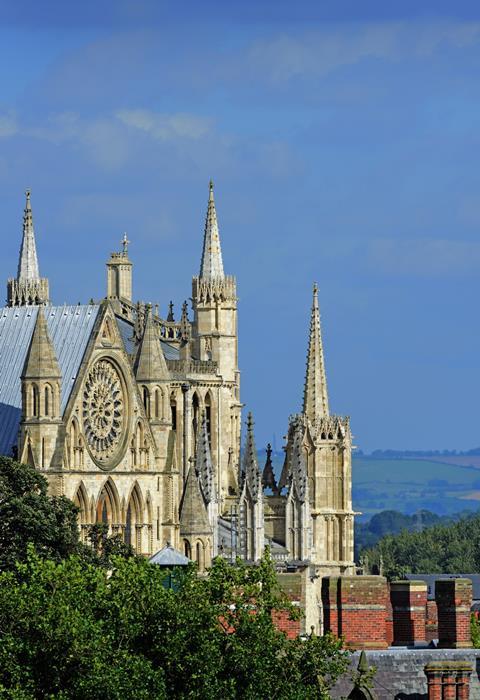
<point>153,379</point>
<point>195,529</point>
<point>41,411</point>
<point>119,274</point>
<point>28,288</point>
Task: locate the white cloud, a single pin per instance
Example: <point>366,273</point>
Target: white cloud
<point>286,57</point>
<point>165,127</point>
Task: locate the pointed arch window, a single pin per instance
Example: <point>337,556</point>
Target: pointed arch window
<point>35,401</point>
<point>146,401</point>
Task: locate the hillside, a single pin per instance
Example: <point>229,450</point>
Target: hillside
<point>409,485</point>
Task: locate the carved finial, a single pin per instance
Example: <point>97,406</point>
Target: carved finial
<point>268,476</point>
<point>170,316</point>
<point>125,243</point>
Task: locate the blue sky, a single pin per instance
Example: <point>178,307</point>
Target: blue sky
<point>344,142</point>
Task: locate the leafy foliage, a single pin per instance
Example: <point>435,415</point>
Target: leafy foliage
<point>444,549</point>
<point>28,514</point>
<point>71,629</point>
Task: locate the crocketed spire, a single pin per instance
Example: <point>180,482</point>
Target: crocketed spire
<point>28,288</point>
<point>212,264</point>
<point>27,261</point>
<point>315,396</point>
<point>250,469</point>
<point>203,461</point>
<point>150,364</point>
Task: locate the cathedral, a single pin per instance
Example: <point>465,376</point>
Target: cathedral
<point>137,419</point>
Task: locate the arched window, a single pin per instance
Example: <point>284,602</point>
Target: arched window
<point>173,409</point>
<point>35,401</point>
<point>146,401</point>
<point>199,556</point>
<point>187,549</point>
<point>158,403</point>
<point>208,416</point>
<point>47,400</point>
<point>195,417</point>
<point>107,506</point>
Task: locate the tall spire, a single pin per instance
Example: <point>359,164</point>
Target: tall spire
<point>315,396</point>
<point>27,262</point>
<point>212,264</point>
<point>28,288</point>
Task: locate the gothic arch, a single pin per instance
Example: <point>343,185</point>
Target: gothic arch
<point>84,513</point>
<point>146,400</point>
<point>134,517</point>
<point>108,505</point>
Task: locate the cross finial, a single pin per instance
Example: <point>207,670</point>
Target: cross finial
<point>125,243</point>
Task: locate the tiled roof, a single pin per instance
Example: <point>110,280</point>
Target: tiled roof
<point>70,328</point>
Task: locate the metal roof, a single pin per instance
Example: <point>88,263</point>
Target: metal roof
<point>169,556</point>
<point>126,331</point>
<point>70,328</point>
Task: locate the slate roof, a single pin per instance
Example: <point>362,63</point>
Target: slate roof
<point>168,556</point>
<point>70,328</point>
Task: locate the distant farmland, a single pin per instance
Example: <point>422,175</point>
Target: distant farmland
<point>408,485</point>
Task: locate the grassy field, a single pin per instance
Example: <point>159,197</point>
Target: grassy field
<point>408,485</point>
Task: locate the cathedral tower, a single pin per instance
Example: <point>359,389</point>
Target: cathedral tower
<point>214,338</point>
<point>318,471</point>
<point>28,288</point>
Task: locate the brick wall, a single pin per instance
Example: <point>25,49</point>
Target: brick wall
<point>454,600</point>
<point>431,622</point>
<point>355,607</point>
<point>409,603</point>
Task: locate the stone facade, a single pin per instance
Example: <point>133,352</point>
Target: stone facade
<point>139,422</point>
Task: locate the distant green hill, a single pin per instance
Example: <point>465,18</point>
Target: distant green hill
<point>407,485</point>
<point>410,485</point>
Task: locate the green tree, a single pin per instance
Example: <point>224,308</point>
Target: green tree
<point>72,629</point>
<point>447,549</point>
<point>28,514</point>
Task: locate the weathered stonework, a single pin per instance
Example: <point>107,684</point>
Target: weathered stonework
<point>141,428</point>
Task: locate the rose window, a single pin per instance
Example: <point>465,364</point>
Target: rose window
<point>103,410</point>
